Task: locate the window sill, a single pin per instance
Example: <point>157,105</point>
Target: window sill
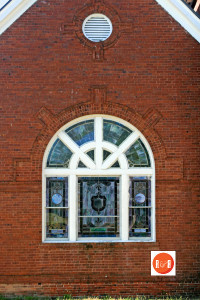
<point>99,241</point>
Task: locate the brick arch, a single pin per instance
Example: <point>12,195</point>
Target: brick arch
<point>52,123</point>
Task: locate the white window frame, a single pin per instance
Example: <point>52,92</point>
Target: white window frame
<point>98,168</point>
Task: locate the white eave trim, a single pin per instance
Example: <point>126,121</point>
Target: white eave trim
<point>183,15</point>
<point>12,12</point>
<point>176,8</point>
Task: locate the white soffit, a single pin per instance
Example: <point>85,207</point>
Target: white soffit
<point>10,11</point>
<point>183,15</point>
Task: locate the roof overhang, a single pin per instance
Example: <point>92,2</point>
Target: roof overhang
<point>183,15</point>
<point>12,11</point>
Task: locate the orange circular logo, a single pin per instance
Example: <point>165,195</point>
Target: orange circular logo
<point>163,263</point>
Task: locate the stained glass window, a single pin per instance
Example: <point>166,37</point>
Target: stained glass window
<point>82,132</point>
<point>59,155</point>
<point>137,155</point>
<point>140,207</point>
<point>57,208</point>
<point>98,207</point>
<point>114,132</point>
<point>100,183</point>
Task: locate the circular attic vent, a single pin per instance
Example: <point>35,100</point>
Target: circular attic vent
<point>97,28</point>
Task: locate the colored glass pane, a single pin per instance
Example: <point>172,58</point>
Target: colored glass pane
<point>140,207</point>
<point>82,132</point>
<point>56,223</point>
<point>98,207</point>
<point>57,207</point>
<point>59,155</point>
<point>114,132</point>
<point>137,155</point>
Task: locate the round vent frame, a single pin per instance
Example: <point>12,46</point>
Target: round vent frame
<point>97,7</point>
<point>97,27</point>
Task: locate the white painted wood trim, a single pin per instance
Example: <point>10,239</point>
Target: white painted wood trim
<point>75,149</point>
<point>183,15</point>
<point>121,149</point>
<point>176,8</point>
<point>72,208</point>
<point>3,2</point>
<point>197,5</point>
<point>12,12</point>
<point>51,172</point>
<point>124,197</point>
<point>99,140</point>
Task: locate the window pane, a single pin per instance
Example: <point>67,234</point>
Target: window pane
<point>114,132</point>
<point>137,155</point>
<point>140,192</point>
<point>81,164</point>
<point>115,165</point>
<point>105,154</point>
<point>140,207</point>
<point>82,132</point>
<point>91,154</point>
<point>59,155</point>
<point>98,207</point>
<point>56,223</point>
<point>139,222</point>
<point>99,227</point>
<point>57,192</point>
<point>56,207</point>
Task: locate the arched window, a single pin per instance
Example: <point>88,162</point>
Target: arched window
<point>98,183</point>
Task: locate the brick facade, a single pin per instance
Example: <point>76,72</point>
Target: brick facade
<point>147,75</point>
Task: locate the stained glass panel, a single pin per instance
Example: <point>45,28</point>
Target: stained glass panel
<point>140,207</point>
<point>139,222</point>
<point>59,156</point>
<point>57,223</point>
<point>81,164</point>
<point>57,207</point>
<point>98,207</point>
<point>115,132</point>
<point>82,132</point>
<point>137,155</point>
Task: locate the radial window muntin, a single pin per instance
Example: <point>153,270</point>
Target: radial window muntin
<point>97,28</point>
<point>100,168</point>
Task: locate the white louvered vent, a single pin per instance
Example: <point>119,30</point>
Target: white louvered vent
<point>97,28</point>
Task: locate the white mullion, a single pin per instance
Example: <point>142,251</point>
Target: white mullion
<point>51,172</point>
<point>99,140</point>
<point>75,149</point>
<point>124,207</point>
<point>44,221</point>
<point>122,148</point>
<point>139,172</point>
<point>72,208</point>
<point>74,161</point>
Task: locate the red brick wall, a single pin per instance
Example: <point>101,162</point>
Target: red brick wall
<point>150,77</point>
